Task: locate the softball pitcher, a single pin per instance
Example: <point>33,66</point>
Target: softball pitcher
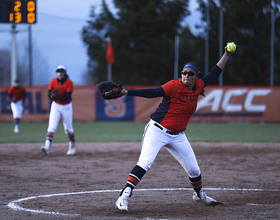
<point>60,91</point>
<point>167,125</point>
<point>17,95</point>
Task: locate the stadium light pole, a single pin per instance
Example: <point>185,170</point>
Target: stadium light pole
<point>13,55</point>
<point>221,23</point>
<point>272,45</point>
<point>176,57</point>
<point>207,38</point>
<point>30,55</point>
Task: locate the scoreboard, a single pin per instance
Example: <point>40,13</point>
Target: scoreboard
<point>18,11</point>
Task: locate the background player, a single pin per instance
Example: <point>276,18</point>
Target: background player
<point>167,125</point>
<point>17,95</point>
<point>60,107</point>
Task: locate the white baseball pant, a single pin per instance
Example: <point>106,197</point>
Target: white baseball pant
<point>64,111</point>
<point>178,145</point>
<point>17,109</point>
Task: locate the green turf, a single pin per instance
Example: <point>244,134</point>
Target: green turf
<point>133,131</point>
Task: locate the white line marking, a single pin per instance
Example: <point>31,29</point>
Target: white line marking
<point>13,205</point>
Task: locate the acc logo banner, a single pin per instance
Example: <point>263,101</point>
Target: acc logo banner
<point>245,104</point>
<point>120,109</point>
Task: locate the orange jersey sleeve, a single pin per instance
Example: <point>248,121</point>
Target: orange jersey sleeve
<point>170,87</point>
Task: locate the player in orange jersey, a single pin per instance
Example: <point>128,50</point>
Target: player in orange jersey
<point>17,95</point>
<point>60,107</point>
<point>167,125</point>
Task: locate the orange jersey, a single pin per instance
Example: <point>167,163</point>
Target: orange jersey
<point>178,105</point>
<point>17,93</point>
<point>63,88</point>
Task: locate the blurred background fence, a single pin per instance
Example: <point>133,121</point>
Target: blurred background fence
<point>221,104</point>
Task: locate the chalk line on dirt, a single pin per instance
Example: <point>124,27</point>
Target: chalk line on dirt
<point>13,205</point>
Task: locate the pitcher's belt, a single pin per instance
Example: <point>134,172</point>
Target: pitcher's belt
<point>167,131</point>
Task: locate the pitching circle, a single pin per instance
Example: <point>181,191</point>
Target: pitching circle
<point>14,204</point>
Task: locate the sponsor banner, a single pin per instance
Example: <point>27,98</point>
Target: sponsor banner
<point>37,104</point>
<point>226,104</point>
<point>145,107</point>
<point>120,109</point>
<point>221,104</point>
<point>36,107</point>
<point>252,104</point>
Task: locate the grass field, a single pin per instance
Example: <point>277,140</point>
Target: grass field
<point>132,131</point>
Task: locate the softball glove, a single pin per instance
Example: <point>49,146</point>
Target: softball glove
<point>54,95</point>
<point>110,90</point>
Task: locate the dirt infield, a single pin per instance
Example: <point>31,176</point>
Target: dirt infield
<point>243,176</point>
